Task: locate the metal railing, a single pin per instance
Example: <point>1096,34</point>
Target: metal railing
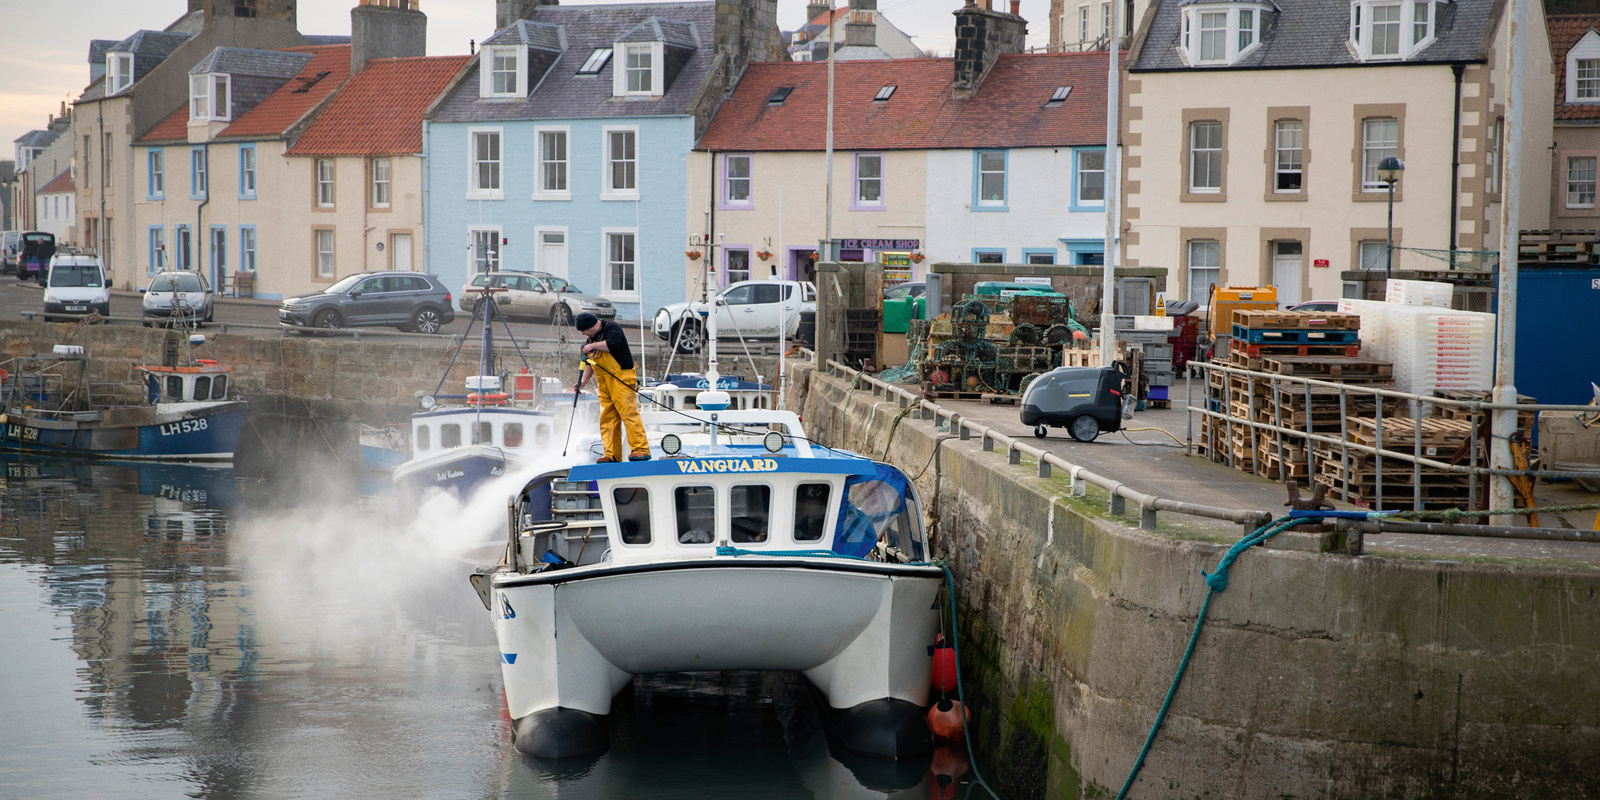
<point>1417,404</point>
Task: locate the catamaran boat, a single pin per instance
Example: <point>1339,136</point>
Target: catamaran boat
<point>481,434</point>
<point>739,545</point>
<point>178,412</point>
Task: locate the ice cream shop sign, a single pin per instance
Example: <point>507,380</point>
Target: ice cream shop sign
<point>880,244</point>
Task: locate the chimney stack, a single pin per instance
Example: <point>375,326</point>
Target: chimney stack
<point>982,36</point>
<point>861,30</point>
<point>507,12</point>
<point>386,29</point>
<point>815,10</point>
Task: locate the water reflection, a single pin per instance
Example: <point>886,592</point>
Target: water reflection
<point>181,631</point>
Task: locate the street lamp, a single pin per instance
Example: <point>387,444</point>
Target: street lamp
<point>1389,170</point>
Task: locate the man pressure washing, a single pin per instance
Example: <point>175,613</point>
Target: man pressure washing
<point>606,355</point>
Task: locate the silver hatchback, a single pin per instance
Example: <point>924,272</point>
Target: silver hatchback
<point>177,297</point>
<point>537,296</point>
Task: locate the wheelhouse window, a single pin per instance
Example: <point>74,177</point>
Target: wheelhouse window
<point>1580,182</point>
<point>450,435</point>
<point>1380,139</point>
<point>1205,157</point>
<point>423,436</point>
<point>1288,154</point>
<point>750,511</point>
<point>511,435</point>
<point>633,514</point>
<point>696,511</point>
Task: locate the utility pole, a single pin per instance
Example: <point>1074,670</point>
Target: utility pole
<point>1504,421</point>
<point>1108,312</point>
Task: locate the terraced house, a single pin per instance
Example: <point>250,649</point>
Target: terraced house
<point>1255,130</point>
<point>562,147</point>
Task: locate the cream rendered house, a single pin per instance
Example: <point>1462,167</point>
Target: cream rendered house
<point>1254,132</point>
<point>1575,46</point>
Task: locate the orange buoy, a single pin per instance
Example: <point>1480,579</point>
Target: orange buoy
<point>949,764</point>
<point>946,719</point>
<point>944,666</point>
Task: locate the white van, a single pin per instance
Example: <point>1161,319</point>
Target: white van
<point>10,248</point>
<point>77,286</point>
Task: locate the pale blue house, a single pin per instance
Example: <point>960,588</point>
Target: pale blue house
<point>563,147</point>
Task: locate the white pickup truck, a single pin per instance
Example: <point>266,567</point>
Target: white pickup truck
<point>747,309</point>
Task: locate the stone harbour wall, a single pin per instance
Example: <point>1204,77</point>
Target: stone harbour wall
<point>1316,675</point>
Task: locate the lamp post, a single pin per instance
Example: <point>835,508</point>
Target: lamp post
<point>1389,170</point>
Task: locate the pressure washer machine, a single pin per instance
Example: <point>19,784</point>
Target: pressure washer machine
<point>1084,400</point>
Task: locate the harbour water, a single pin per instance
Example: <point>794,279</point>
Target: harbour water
<point>175,631</point>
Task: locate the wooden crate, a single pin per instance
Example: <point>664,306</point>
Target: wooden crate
<point>1262,319</point>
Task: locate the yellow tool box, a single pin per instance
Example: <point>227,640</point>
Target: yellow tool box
<point>1228,299</point>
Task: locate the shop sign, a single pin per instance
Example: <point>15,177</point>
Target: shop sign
<point>880,244</point>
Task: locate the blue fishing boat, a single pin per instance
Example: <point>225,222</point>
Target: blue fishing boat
<point>178,412</point>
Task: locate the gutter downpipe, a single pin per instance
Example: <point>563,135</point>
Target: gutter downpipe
<point>427,193</point>
<point>105,165</point>
<point>1456,69</point>
<point>199,214</point>
<point>1108,326</point>
<point>1504,424</point>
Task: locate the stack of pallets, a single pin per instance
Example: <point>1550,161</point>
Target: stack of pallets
<point>1445,440</point>
<point>1558,248</point>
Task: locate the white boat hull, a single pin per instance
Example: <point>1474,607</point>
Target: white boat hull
<point>571,639</point>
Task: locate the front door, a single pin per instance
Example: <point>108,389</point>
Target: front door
<point>185,243</point>
<point>553,253</point>
<point>1287,263</point>
<point>400,251</point>
<point>219,256</point>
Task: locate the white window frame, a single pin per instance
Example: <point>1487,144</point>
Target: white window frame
<point>1581,193</point>
<point>1077,184</point>
<point>487,81</point>
<point>980,172</point>
<point>544,162</point>
<point>119,71</point>
<point>1587,48</point>
<point>607,190</point>
<point>247,248</point>
<point>1414,17</point>
<point>479,262</point>
<point>474,190</point>
<point>1246,27</point>
<point>1232,40</point>
<point>382,182</point>
<point>606,289</point>
<point>224,97</point>
<point>620,69</point>
<point>247,171</point>
<point>1283,166</point>
<point>325,179</point>
<point>327,267</point>
<point>1190,267</point>
<point>1374,151</point>
<point>728,180</point>
<point>855,182</point>
<point>1105,21</point>
<point>1376,246</point>
<point>1211,152</point>
<point>199,97</point>
<point>1083,24</point>
<point>156,164</point>
<point>1208,20</point>
<point>199,181</point>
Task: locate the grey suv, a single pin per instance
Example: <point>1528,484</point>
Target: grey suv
<point>410,301</point>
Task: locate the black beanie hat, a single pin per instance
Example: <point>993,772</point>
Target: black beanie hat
<point>585,321</point>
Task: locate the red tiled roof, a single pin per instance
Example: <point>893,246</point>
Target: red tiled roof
<point>172,129</point>
<point>1009,109</point>
<point>380,111</point>
<point>278,113</point>
<point>1565,31</point>
<point>61,183</point>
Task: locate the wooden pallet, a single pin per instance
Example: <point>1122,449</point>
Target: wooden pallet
<point>1248,336</point>
<point>1261,319</point>
<point>941,394</point>
<point>1001,399</point>
<point>1296,350</point>
<point>1349,368</point>
<point>1402,431</point>
<point>1158,403</point>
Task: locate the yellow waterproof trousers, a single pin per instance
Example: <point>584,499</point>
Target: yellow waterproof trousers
<point>619,407</point>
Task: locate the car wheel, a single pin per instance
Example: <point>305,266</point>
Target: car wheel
<point>1041,431</point>
<point>426,321</point>
<point>211,314</point>
<point>1084,428</point>
<point>327,318</point>
<point>687,337</point>
<point>561,316</point>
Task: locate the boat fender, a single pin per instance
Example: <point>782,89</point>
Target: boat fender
<point>943,673</point>
<point>206,362</point>
<point>948,765</point>
<point>946,720</point>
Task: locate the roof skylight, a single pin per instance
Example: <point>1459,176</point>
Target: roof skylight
<point>1060,94</point>
<point>885,93</point>
<point>596,62</point>
<point>779,95</point>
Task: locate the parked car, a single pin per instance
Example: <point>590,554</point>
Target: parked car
<point>747,309</point>
<point>33,257</point>
<point>178,297</point>
<point>1315,305</point>
<point>904,290</point>
<point>76,287</point>
<point>536,295</point>
<point>10,248</point>
<point>410,301</point>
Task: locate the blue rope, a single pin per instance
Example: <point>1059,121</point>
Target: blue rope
<point>735,551</point>
<point>1216,581</point>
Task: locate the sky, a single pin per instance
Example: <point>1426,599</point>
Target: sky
<point>46,57</point>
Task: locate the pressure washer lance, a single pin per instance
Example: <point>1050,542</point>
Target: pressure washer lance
<point>585,362</point>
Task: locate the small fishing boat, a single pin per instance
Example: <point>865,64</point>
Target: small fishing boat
<point>178,412</point>
<point>740,545</point>
<point>461,441</point>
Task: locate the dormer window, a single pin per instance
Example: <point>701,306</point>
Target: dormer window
<point>1220,33</point>
<point>208,97</point>
<point>1583,70</point>
<point>119,66</point>
<point>505,71</point>
<point>1386,29</point>
<point>640,73</point>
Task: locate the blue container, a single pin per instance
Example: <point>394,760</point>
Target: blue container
<point>1558,328</point>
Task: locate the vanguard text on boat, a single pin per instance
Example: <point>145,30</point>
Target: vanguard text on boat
<point>476,436</point>
<point>178,412</point>
<point>712,557</point>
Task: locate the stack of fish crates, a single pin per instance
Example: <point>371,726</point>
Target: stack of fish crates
<point>1433,348</point>
<point>574,501</point>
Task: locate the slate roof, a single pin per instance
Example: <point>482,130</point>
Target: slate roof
<point>98,49</point>
<point>380,110</point>
<point>670,32</point>
<point>1010,108</point>
<point>41,138</point>
<point>532,34</point>
<point>1312,33</point>
<point>1565,30</point>
<point>58,184</point>
<point>275,115</point>
<point>262,63</point>
<point>562,93</point>
<point>156,43</point>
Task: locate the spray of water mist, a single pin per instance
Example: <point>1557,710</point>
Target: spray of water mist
<point>336,572</point>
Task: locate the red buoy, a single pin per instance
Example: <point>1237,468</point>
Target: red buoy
<point>943,673</point>
<point>949,764</point>
<point>945,719</point>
